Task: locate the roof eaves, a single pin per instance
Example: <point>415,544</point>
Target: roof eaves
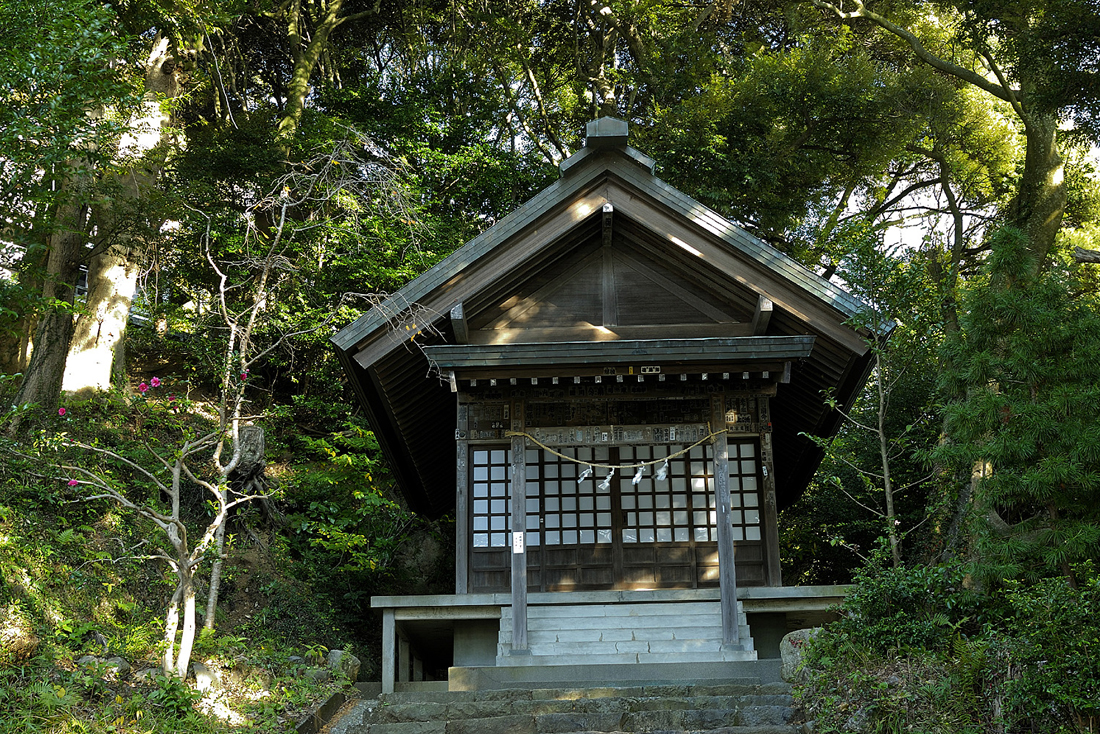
<point>347,338</point>
<point>844,302</point>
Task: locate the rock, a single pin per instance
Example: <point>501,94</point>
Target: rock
<point>344,662</point>
<point>117,668</point>
<point>17,642</point>
<point>89,661</point>
<point>205,678</point>
<point>319,675</point>
<point>791,650</point>
<point>102,642</point>
<point>295,660</point>
<point>146,676</point>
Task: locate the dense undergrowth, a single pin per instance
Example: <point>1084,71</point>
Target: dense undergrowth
<point>916,650</point>
<point>76,580</point>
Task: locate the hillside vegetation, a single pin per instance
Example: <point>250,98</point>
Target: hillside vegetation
<point>195,196</point>
<point>77,576</point>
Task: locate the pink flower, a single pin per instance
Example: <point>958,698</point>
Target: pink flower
<point>61,411</point>
<point>155,382</point>
<point>244,376</point>
<point>142,388</point>
<point>171,398</point>
<point>73,482</point>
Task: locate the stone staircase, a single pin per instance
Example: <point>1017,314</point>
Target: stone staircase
<point>624,633</point>
<point>745,706</point>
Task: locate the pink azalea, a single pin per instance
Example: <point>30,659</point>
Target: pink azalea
<point>155,382</point>
<point>142,388</point>
<point>73,482</point>
<point>244,376</point>
<point>171,398</point>
<point>61,411</point>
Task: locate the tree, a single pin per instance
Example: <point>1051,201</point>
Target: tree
<point>125,220</point>
<point>1040,58</point>
<point>59,83</point>
<point>882,434</point>
<point>1026,369</point>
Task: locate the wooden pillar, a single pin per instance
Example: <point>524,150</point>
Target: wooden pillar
<point>727,572</point>
<point>769,507</point>
<point>389,650</point>
<point>462,502</point>
<point>519,529</point>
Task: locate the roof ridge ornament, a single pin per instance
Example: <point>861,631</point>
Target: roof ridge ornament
<point>606,132</point>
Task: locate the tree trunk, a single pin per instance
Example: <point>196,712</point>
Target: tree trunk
<point>216,569</point>
<point>305,61</point>
<point>187,637</point>
<point>42,381</point>
<point>171,626</point>
<point>884,456</point>
<point>112,274</point>
<point>112,281</point>
<point>249,470</point>
<point>1040,200</point>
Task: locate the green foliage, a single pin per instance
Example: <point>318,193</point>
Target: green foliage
<point>1025,373</point>
<point>58,74</point>
<point>1020,660</point>
<point>845,510</point>
<point>1055,632</point>
<point>908,608</point>
<point>172,695</point>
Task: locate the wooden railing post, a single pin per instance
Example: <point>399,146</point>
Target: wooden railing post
<point>727,572</point>
<point>518,537</point>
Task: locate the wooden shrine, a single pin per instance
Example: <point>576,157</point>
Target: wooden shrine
<point>611,389</point>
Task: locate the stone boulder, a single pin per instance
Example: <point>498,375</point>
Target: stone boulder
<point>115,668</point>
<point>319,675</point>
<point>147,676</point>
<point>344,662</point>
<point>791,649</point>
<point>205,678</point>
<point>118,668</point>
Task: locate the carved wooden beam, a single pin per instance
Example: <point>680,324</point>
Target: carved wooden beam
<point>458,323</point>
<point>762,316</point>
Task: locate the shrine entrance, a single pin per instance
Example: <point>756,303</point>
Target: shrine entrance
<point>656,530</point>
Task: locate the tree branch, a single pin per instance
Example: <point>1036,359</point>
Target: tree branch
<point>947,67</point>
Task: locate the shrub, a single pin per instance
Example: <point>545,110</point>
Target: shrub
<point>923,607</point>
<point>1055,681</point>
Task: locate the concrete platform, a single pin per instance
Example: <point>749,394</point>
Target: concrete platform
<point>748,672</point>
<point>447,632</point>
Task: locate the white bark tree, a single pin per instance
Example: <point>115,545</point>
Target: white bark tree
<point>123,227</point>
<point>185,554</point>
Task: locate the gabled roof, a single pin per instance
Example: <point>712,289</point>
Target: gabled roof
<point>608,253</point>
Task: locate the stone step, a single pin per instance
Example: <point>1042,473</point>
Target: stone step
<point>721,709</point>
<point>757,704</point>
<point>732,686</point>
<point>661,621</point>
<point>625,658</point>
<point>617,647</point>
<point>584,676</point>
<point>616,634</point>
<point>623,609</point>
<point>655,720</point>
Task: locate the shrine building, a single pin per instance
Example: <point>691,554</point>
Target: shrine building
<point>613,391</point>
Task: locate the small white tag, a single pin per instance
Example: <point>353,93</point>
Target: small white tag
<point>517,542</point>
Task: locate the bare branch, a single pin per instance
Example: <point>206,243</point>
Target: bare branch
<point>123,459</point>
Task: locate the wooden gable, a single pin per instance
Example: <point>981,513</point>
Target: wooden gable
<point>609,253</point>
<point>600,291</point>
